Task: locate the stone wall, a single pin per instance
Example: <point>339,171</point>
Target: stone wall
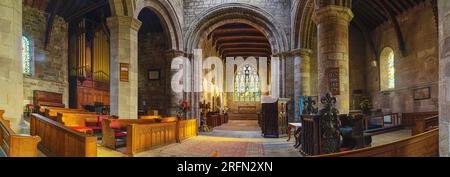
<point>50,64</point>
<point>357,56</point>
<point>279,9</point>
<point>152,55</point>
<point>11,95</point>
<point>417,68</point>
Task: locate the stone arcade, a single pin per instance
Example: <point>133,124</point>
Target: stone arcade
<point>104,69</point>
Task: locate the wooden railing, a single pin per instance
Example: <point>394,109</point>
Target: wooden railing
<point>60,141</point>
<point>424,125</point>
<point>143,137</point>
<point>393,118</point>
<point>14,145</point>
<point>422,145</point>
<point>186,129</point>
<point>409,119</point>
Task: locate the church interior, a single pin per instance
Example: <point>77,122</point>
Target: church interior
<point>309,78</point>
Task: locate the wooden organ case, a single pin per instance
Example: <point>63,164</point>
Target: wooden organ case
<point>89,63</point>
<point>274,117</point>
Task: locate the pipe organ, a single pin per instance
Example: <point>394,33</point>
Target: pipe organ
<point>89,62</point>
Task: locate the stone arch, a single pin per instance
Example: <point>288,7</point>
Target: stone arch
<point>217,16</point>
<point>303,29</point>
<point>169,19</point>
<point>122,7</point>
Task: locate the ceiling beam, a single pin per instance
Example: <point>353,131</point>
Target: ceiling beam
<point>397,28</point>
<point>50,20</point>
<point>87,9</point>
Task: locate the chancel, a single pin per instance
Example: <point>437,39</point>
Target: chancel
<point>230,78</point>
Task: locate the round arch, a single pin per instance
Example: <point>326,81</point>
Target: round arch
<point>303,27</point>
<point>235,13</point>
<point>169,19</point>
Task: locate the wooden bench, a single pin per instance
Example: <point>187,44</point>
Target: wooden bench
<point>142,135</point>
<point>61,141</point>
<point>14,145</point>
<point>424,125</point>
<point>409,119</point>
<point>43,98</point>
<point>113,129</point>
<point>53,113</point>
<point>421,145</point>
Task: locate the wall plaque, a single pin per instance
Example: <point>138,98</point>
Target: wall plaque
<point>422,93</point>
<point>124,70</point>
<point>333,79</point>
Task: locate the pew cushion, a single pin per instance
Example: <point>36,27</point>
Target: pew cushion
<point>120,134</point>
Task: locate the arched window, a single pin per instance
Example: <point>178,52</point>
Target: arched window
<point>387,70</point>
<point>247,85</point>
<point>26,55</point>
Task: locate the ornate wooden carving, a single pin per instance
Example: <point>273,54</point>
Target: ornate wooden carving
<point>329,125</point>
<point>309,104</point>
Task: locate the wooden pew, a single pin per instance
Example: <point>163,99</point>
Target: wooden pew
<point>14,145</point>
<point>144,134</point>
<point>409,119</point>
<point>186,129</point>
<point>110,129</point>
<point>61,141</point>
<point>424,125</point>
<point>53,113</point>
<point>422,145</point>
<point>150,117</point>
<point>144,137</point>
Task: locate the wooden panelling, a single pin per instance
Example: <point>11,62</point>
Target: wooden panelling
<point>14,145</point>
<point>149,136</point>
<point>187,129</point>
<point>90,93</point>
<point>409,119</point>
<point>60,141</point>
<point>42,98</point>
<point>422,145</point>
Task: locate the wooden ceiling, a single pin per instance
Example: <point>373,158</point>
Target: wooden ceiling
<point>372,13</point>
<point>240,40</point>
<point>69,9</point>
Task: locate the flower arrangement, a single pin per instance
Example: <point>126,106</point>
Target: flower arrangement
<point>183,108</point>
<point>366,106</point>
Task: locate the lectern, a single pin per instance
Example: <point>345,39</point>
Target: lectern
<point>274,117</point>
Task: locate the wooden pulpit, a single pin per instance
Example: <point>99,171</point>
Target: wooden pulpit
<point>274,117</point>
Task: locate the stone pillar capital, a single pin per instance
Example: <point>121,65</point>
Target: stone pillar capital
<point>116,22</point>
<point>175,53</point>
<point>333,12</point>
<point>302,52</point>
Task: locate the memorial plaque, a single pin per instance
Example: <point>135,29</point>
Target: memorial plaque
<point>124,72</point>
<point>333,79</point>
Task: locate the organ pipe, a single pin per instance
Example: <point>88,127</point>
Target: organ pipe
<point>90,60</point>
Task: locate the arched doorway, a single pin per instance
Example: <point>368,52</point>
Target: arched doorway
<point>153,65</point>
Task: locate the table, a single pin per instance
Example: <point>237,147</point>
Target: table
<point>296,127</point>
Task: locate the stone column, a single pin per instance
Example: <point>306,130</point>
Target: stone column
<point>302,77</point>
<point>124,49</point>
<point>332,28</point>
<point>444,77</point>
<point>174,97</point>
<point>11,71</point>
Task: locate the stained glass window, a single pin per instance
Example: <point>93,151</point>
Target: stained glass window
<point>387,70</point>
<point>247,85</point>
<point>391,71</point>
<point>26,55</point>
